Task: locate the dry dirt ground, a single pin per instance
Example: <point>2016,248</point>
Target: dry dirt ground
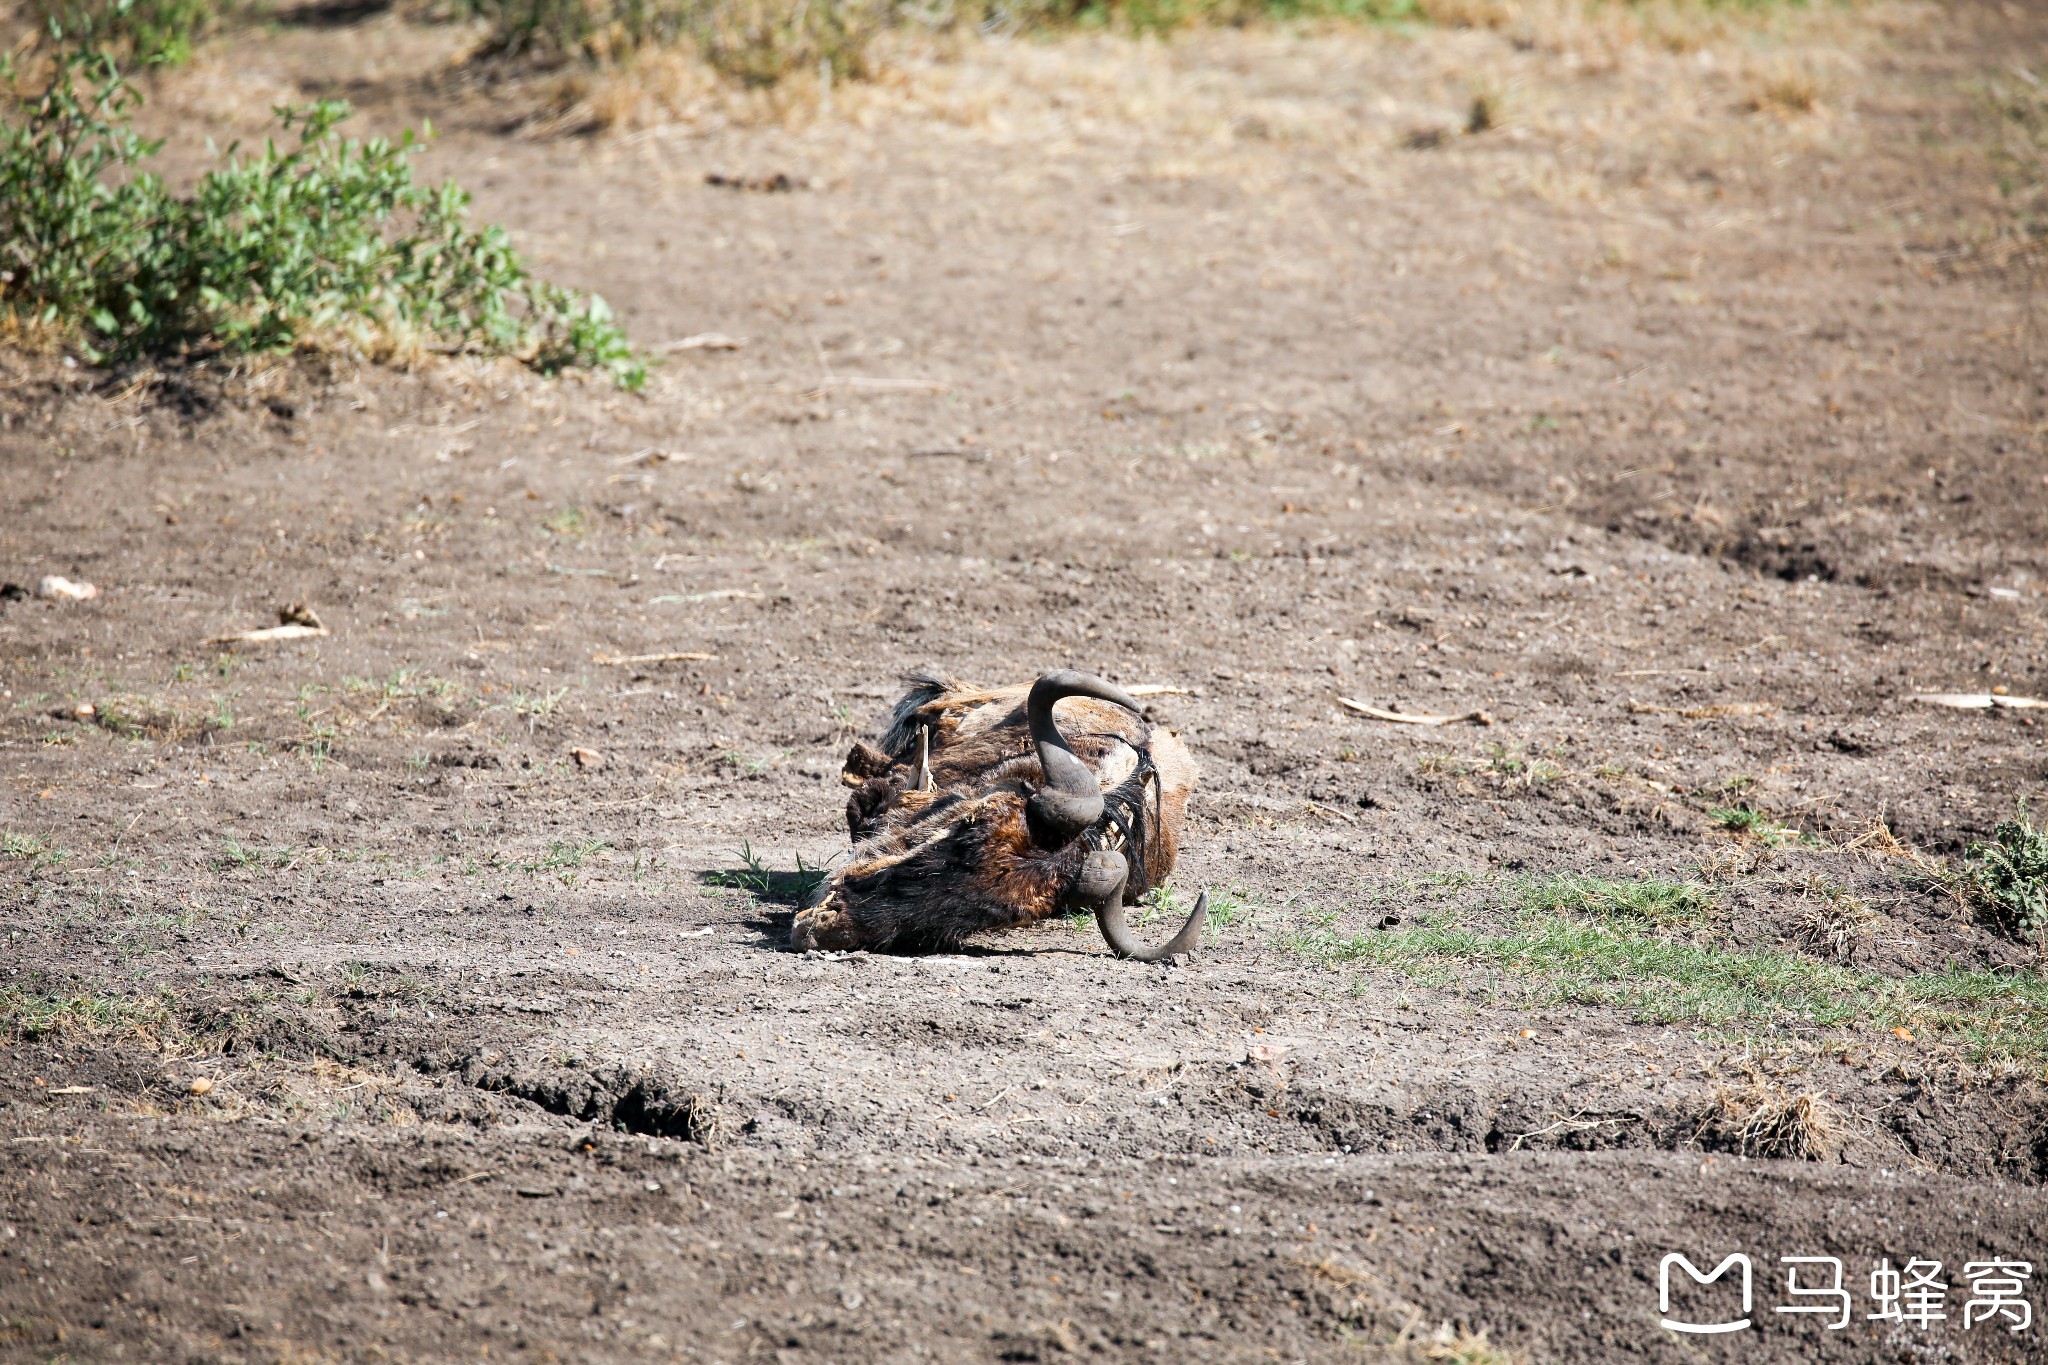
<point>1687,419</point>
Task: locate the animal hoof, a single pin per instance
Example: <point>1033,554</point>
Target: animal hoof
<point>825,928</point>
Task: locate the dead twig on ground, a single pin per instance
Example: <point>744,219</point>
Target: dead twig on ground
<point>715,595</point>
<point>1715,712</point>
<point>703,341</point>
<point>1415,717</point>
<point>673,656</point>
<point>1574,1122</point>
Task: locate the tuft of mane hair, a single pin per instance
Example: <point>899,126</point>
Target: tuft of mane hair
<point>925,689</point>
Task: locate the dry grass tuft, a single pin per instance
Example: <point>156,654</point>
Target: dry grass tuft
<point>1364,1300</point>
<point>1832,920</point>
<point>1463,1346</point>
<point>1786,86</point>
<point>1768,1120</point>
<point>768,62</point>
<point>1489,14</point>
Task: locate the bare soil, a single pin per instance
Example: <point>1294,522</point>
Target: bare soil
<point>428,1006</point>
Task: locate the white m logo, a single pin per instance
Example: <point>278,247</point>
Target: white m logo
<point>1664,1291</point>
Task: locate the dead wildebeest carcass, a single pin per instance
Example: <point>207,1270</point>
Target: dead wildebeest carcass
<point>980,811</point>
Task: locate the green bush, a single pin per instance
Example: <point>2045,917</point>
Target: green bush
<point>330,239</point>
<point>142,31</point>
<point>2009,877</point>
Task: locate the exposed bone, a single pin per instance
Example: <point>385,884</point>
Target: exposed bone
<point>1414,717</point>
<point>61,589</point>
<point>296,622</point>
<point>704,341</point>
<point>861,381</point>
<point>1981,701</point>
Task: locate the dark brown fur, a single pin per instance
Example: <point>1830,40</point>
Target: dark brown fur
<point>931,868</point>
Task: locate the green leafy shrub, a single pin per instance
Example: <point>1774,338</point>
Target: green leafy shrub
<point>330,239</point>
<point>143,31</point>
<point>2009,877</point>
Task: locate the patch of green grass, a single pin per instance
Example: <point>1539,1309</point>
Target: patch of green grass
<point>752,875</point>
<point>1991,1015</point>
<point>1648,900</point>
<point>1228,909</point>
<point>28,848</point>
<point>756,878</point>
<point>2009,877</point>
<point>569,523</point>
<point>564,854</point>
<point>1751,823</point>
<point>403,684</point>
<point>236,854</point>
<point>326,242</point>
<point>317,744</point>
<point>537,707</point>
<point>30,1014</point>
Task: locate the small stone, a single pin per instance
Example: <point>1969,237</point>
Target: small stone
<point>60,589</point>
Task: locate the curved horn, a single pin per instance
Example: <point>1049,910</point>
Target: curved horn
<point>1102,885</point>
<point>1071,800</point>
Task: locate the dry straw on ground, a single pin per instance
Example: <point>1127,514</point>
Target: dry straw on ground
<point>1765,1119</point>
<point>1470,71</point>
